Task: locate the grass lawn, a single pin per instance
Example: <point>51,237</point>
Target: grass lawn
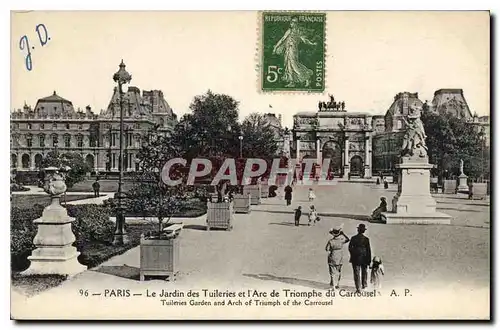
<point>27,201</point>
<point>92,255</point>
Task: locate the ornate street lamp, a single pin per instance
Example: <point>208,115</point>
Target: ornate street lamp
<point>121,77</point>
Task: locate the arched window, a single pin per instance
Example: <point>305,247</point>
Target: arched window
<point>55,140</point>
<point>41,140</point>
<point>29,141</point>
<point>399,124</point>
<point>67,140</point>
<point>79,140</point>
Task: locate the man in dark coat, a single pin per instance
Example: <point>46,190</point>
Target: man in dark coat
<point>288,195</point>
<point>96,186</point>
<point>361,255</point>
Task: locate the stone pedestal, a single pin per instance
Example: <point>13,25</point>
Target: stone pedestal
<point>54,253</point>
<point>413,203</point>
<point>462,183</point>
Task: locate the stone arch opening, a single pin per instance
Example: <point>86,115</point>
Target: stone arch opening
<point>356,168</point>
<point>25,160</point>
<point>13,161</point>
<point>333,150</point>
<point>89,159</point>
<point>38,161</point>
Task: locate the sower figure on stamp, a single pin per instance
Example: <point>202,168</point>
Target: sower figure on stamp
<point>288,45</point>
<point>361,255</point>
<point>334,247</point>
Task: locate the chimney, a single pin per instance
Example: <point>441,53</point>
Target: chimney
<point>279,118</point>
<point>155,101</point>
<point>405,103</point>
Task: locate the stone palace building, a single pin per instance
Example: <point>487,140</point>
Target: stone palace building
<point>364,144</point>
<point>357,143</point>
<point>54,123</point>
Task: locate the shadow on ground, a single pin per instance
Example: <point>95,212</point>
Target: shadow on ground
<point>289,224</point>
<point>125,271</point>
<point>456,209</point>
<point>467,204</point>
<point>290,280</point>
<point>359,217</point>
<point>202,227</point>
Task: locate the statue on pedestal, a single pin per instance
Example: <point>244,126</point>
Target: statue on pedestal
<point>414,138</point>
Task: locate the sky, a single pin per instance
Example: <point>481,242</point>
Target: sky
<point>371,56</point>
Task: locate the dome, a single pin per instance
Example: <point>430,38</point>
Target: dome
<point>54,106</point>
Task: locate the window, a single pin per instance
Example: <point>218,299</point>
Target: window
<point>29,141</point>
<point>80,126</point>
<point>137,125</point>
<point>114,137</point>
<point>137,141</point>
<point>400,124</point>
<point>42,126</point>
<point>41,140</point>
<point>67,126</point>
<point>29,125</point>
<point>55,140</point>
<point>67,141</point>
<point>113,161</point>
<point>54,126</point>
<point>129,139</point>
<point>92,141</point>
<point>79,141</point>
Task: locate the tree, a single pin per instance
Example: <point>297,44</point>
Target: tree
<point>449,140</point>
<point>78,166</point>
<point>212,129</point>
<point>150,196</point>
<point>259,138</point>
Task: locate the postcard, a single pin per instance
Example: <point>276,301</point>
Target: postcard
<point>250,165</point>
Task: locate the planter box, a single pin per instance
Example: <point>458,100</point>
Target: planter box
<point>264,190</point>
<point>159,257</point>
<point>241,203</point>
<point>255,192</point>
<point>449,187</point>
<point>479,190</point>
<point>220,215</point>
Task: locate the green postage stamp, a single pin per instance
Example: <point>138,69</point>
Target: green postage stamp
<point>293,51</point>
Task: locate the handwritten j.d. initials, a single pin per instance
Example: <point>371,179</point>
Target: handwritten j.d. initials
<point>24,44</point>
<point>43,37</point>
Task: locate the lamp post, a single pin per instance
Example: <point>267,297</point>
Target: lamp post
<point>241,145</point>
<point>121,77</point>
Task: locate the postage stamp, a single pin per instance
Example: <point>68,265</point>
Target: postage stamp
<point>293,51</point>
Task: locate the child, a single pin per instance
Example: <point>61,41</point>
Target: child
<point>377,271</point>
<point>313,215</point>
<point>312,196</point>
<point>298,213</point>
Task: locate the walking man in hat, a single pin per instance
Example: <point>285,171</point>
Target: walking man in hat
<point>334,247</point>
<point>359,248</point>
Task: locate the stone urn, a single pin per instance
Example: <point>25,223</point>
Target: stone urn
<point>54,252</point>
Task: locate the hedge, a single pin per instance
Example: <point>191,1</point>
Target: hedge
<point>92,226</point>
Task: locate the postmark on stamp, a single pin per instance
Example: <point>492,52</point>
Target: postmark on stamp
<point>293,51</point>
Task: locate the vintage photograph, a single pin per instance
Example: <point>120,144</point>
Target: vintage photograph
<point>250,165</point>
